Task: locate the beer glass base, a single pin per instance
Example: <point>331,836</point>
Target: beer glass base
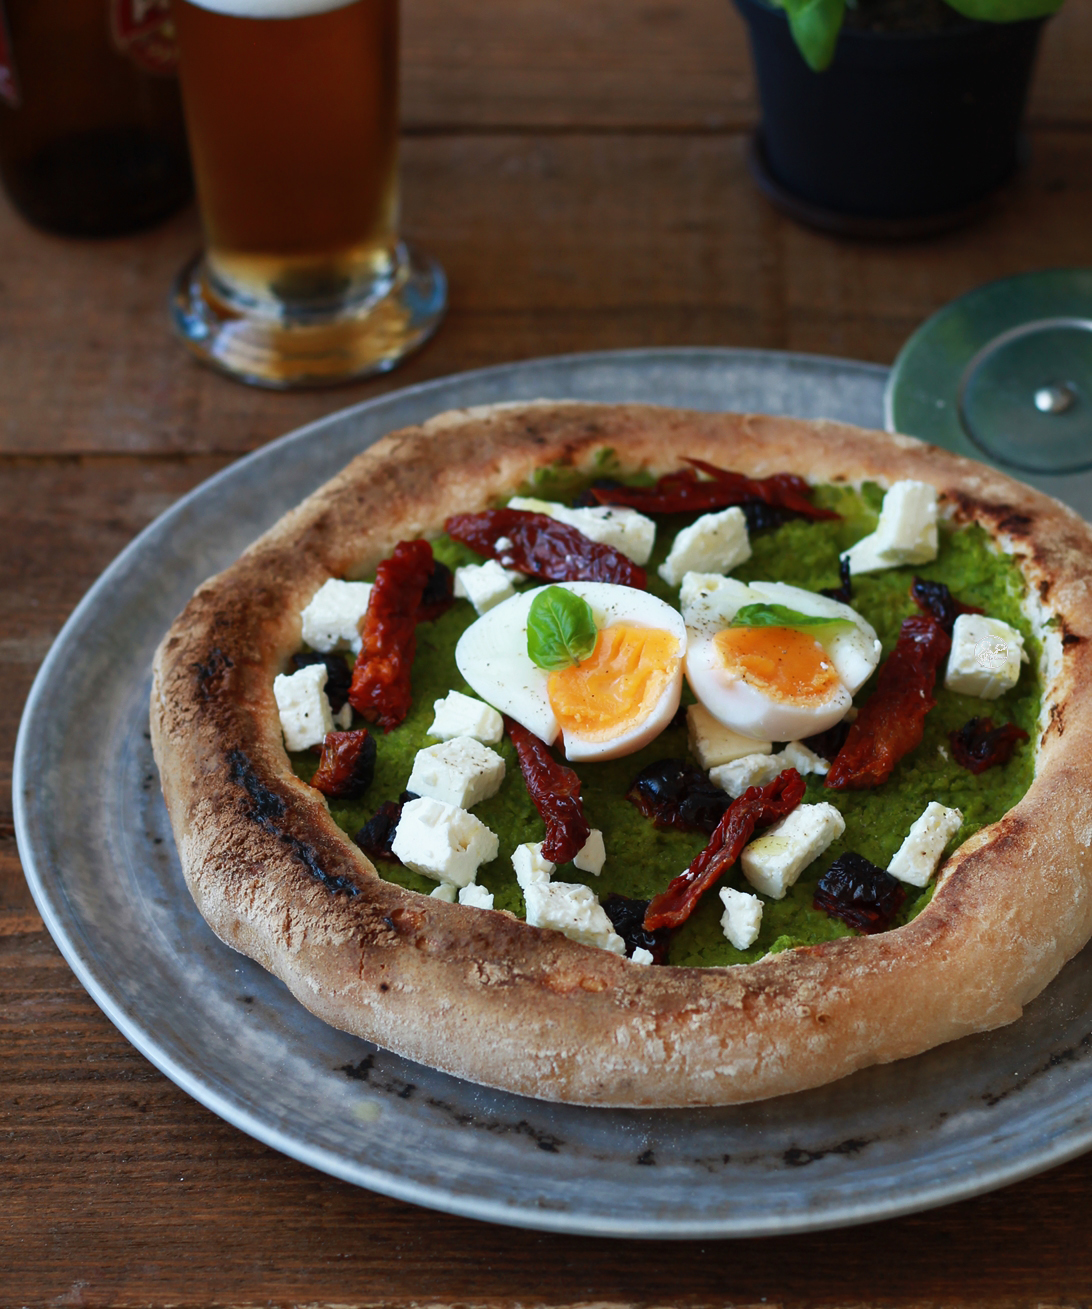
<point>283,352</point>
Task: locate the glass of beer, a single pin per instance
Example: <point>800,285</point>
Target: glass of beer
<point>292,113</point>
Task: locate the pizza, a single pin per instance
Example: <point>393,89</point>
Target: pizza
<point>678,1005</point>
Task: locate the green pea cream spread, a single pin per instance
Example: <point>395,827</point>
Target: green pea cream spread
<point>641,860</point>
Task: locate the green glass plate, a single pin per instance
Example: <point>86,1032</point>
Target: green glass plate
<point>1004,375</point>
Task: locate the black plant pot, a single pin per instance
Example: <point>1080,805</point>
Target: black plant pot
<point>905,132</point>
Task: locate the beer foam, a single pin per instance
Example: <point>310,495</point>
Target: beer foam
<point>271,8</point>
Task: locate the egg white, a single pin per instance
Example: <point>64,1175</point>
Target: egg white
<point>710,602</point>
<point>492,656</point>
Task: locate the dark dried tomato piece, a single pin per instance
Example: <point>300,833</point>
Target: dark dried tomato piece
<point>555,790</point>
<point>544,548</point>
<point>859,893</point>
<point>756,807</point>
<point>586,499</point>
<point>762,517</point>
<point>338,676</point>
<point>979,745</point>
<point>346,765</point>
<point>844,593</point>
<point>683,491</point>
<point>673,793</point>
<point>628,917</point>
<point>380,689</point>
<point>935,598</point>
<point>892,721</point>
<point>827,744</point>
<point>377,835</point>
<point>438,595</point>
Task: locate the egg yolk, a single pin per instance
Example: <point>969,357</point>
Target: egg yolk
<point>618,685</point>
<point>781,662</point>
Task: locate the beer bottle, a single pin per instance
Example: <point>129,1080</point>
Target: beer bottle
<point>92,140</point>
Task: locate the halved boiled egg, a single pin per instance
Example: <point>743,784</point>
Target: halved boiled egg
<point>773,681</point>
<point>614,701</point>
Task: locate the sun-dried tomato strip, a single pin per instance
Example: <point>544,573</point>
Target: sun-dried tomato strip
<point>756,807</point>
<point>978,745</point>
<point>380,689</point>
<point>542,547</point>
<point>347,764</point>
<point>555,789</point>
<point>892,721</point>
<point>683,491</point>
<point>439,594</point>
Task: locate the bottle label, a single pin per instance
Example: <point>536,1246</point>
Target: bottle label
<point>9,83</point>
<point>143,32</point>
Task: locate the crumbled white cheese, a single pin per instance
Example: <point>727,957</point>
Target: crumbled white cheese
<point>461,772</point>
<point>751,770</point>
<point>476,896</point>
<point>742,917</point>
<point>446,892</point>
<point>573,909</point>
<point>773,861</point>
<point>641,956</point>
<point>712,744</point>
<point>715,543</point>
<point>626,530</point>
<point>530,866</point>
<point>985,657</point>
<point>592,854</point>
<point>461,715</point>
<point>905,534</point>
<point>303,706</point>
<point>916,859</point>
<point>343,719</point>
<point>331,619</point>
<point>484,585</point>
<point>438,840</point>
<point>799,756</point>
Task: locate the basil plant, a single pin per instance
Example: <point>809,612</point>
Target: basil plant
<point>816,23</point>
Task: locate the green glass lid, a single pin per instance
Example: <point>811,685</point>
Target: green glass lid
<point>1004,375</point>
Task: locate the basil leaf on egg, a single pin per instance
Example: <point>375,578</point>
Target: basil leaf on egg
<point>774,615</point>
<point>561,629</point>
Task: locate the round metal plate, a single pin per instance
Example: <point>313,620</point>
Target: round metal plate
<point>97,847</point>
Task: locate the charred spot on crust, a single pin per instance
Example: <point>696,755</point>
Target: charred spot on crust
<point>212,671</point>
<point>1015,524</point>
<point>338,676</point>
<point>265,807</point>
<point>1071,638</point>
<point>860,894</point>
<point>628,917</point>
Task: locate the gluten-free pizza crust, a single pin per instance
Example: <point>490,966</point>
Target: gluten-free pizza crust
<point>481,994</point>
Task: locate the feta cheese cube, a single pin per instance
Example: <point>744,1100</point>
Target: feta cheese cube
<point>797,755</point>
<point>624,529</point>
<point>712,744</point>
<point>573,909</point>
<point>905,534</point>
<point>916,859</point>
<point>752,770</point>
<point>773,861</point>
<point>461,715</point>
<point>331,618</point>
<point>715,543</point>
<point>303,706</point>
<point>484,585</point>
<point>446,892</point>
<point>438,840</point>
<point>641,956</point>
<point>592,854</point>
<point>530,866</point>
<point>476,896</point>
<point>985,657</point>
<point>461,772</point>
<point>742,917</point>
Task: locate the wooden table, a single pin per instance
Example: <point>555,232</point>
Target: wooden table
<point>579,169</point>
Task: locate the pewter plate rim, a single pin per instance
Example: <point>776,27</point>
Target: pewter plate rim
<point>1065,1132</point>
